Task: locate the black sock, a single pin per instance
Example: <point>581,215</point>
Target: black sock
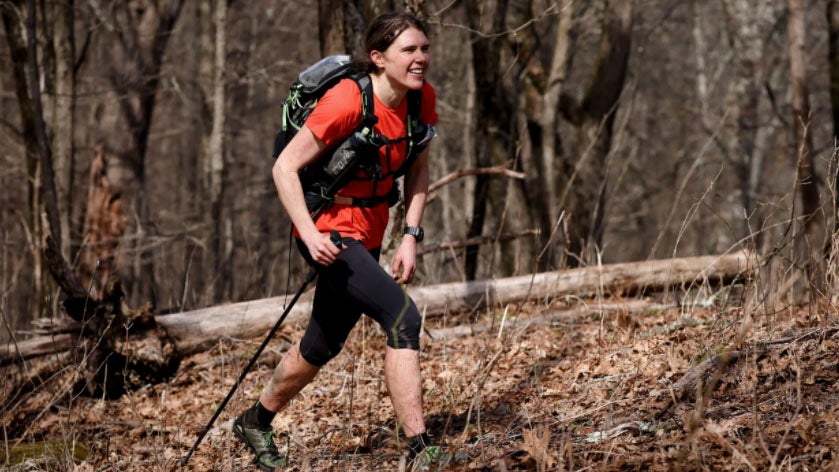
<point>260,416</point>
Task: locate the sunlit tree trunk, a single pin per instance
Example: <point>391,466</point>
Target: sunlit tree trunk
<point>748,128</point>
<point>833,60</point>
<point>584,187</point>
<point>543,89</point>
<point>220,247</point>
<point>13,21</point>
<point>492,111</point>
<point>63,104</point>
<point>810,241</point>
<point>21,23</point>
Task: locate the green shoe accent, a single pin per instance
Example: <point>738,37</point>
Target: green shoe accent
<point>431,456</point>
<point>261,442</point>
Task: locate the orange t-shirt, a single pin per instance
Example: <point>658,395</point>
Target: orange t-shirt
<point>336,116</point>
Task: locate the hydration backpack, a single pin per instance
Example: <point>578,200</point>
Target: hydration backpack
<point>359,151</point>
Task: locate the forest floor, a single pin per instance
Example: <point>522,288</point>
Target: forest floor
<point>582,389</point>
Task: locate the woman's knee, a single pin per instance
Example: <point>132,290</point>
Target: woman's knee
<point>295,368</point>
<point>405,333</point>
<point>319,352</point>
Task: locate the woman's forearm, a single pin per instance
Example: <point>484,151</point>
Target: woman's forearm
<point>290,191</point>
<point>416,190</point>
<point>301,151</point>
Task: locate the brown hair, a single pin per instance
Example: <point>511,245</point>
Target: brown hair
<point>381,33</point>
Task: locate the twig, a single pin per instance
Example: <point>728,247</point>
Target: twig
<point>494,170</point>
<point>481,379</point>
<point>476,241</point>
<point>801,337</point>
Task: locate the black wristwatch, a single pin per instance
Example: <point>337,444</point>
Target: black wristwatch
<point>415,231</point>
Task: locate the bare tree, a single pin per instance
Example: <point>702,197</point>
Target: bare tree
<point>139,32</point>
<point>543,89</point>
<point>60,70</point>
<point>833,61</point>
<point>220,244</point>
<point>583,192</point>
<point>342,24</point>
<point>811,240</point>
<point>13,21</point>
<point>21,34</point>
<point>492,109</point>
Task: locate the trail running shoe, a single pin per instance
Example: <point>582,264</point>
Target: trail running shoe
<point>424,457</point>
<point>430,458</point>
<point>261,442</point>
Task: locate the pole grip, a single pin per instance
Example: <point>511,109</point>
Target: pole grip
<point>336,238</point>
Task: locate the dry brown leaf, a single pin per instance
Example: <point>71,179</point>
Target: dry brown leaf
<point>536,442</point>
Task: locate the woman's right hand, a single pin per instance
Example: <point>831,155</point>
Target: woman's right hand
<point>322,248</point>
<point>303,149</point>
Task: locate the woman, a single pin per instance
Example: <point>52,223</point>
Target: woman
<point>350,280</point>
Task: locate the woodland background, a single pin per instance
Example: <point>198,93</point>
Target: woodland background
<point>138,134</point>
<point>136,143</point>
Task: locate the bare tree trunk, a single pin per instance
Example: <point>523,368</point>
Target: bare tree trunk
<point>811,241</point>
<point>746,44</point>
<point>331,27</point>
<point>584,194</point>
<point>36,114</point>
<point>220,244</point>
<point>833,59</point>
<point>342,24</point>
<point>543,91</point>
<point>13,21</point>
<point>744,144</point>
<point>140,37</point>
<point>558,72</point>
<point>63,115</point>
<point>492,109</point>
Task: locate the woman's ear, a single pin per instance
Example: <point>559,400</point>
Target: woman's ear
<point>377,58</point>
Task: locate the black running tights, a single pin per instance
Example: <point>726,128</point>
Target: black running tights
<point>354,284</point>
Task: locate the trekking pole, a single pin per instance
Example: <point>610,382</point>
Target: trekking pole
<point>336,239</point>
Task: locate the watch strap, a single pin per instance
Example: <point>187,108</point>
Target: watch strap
<point>415,231</point>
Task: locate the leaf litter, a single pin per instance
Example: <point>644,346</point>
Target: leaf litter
<point>592,391</point>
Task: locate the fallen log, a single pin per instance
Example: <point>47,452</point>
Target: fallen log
<point>625,277</point>
<point>34,347</point>
<point>194,331</point>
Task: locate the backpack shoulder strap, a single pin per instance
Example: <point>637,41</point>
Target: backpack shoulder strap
<point>414,104</point>
<point>413,127</point>
<point>368,113</point>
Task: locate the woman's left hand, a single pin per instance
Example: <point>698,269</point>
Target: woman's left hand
<point>405,260</point>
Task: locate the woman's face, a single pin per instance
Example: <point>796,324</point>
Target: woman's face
<point>405,62</point>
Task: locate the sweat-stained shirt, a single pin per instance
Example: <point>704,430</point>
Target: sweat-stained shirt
<point>336,116</point>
